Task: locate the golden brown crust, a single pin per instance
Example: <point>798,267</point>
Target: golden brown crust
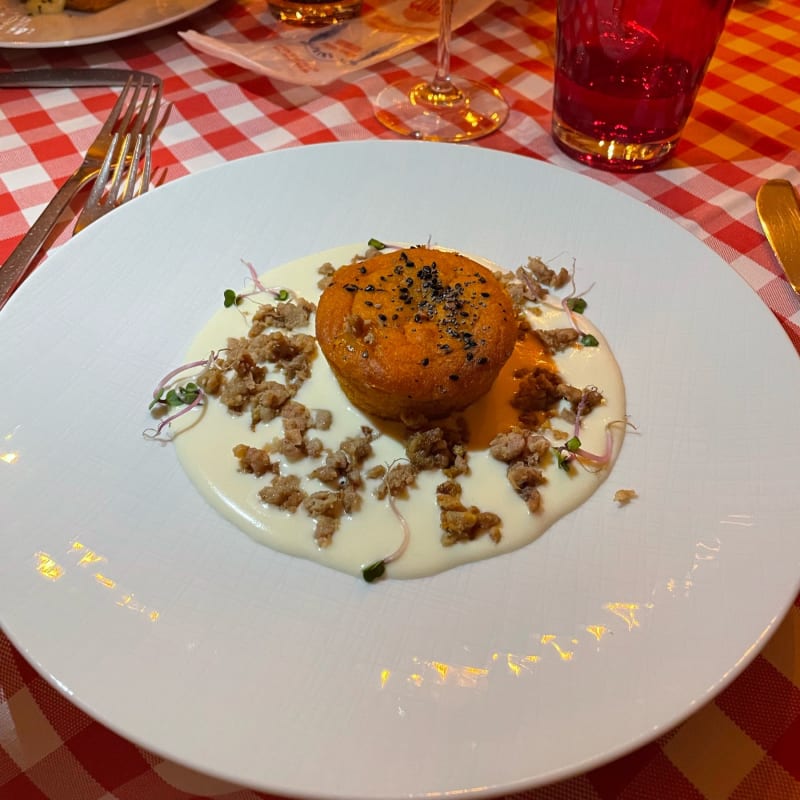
<point>415,332</point>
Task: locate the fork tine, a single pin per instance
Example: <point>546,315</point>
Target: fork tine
<point>142,113</point>
<point>105,170</point>
<point>120,167</point>
<point>159,126</point>
<point>153,115</point>
<point>125,123</point>
<point>131,177</point>
<point>116,111</point>
<point>148,163</point>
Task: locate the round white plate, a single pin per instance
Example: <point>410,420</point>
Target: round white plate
<point>176,630</point>
<point>19,30</point>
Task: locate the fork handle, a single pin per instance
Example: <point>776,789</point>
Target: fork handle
<point>16,267</point>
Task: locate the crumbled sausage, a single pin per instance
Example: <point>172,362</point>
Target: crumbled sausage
<point>296,421</point>
<point>267,402</point>
<point>524,479</point>
<point>238,391</point>
<point>322,419</point>
<point>359,448</point>
<point>462,524</point>
<point>326,508</point>
<point>557,339</point>
<point>324,529</point>
<point>378,471</point>
<point>429,449</point>
<point>624,496</point>
<point>254,460</point>
<point>537,390</point>
<point>519,443</point>
<point>327,271</point>
<point>284,491</point>
<point>287,316</point>
<point>211,380</point>
<point>580,400</point>
<point>324,503</point>
<point>338,471</point>
<point>546,276</point>
<point>397,480</point>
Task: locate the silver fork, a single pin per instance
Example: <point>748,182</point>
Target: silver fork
<point>130,179</point>
<point>130,174</point>
<point>124,117</point>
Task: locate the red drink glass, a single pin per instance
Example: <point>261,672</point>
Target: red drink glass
<point>627,74</point>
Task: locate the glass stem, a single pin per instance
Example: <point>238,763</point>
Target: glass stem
<point>441,83</point>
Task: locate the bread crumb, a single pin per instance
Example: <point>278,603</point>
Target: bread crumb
<point>624,496</point>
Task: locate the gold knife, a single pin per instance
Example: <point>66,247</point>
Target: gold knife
<point>779,212</point>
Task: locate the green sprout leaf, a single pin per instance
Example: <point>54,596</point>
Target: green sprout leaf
<point>573,444</point>
<point>576,304</point>
<point>182,395</point>
<point>231,298</point>
<point>564,458</point>
<point>588,340</point>
<point>374,571</point>
<point>376,243</point>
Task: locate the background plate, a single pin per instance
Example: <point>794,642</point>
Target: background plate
<point>19,30</point>
<point>173,628</point>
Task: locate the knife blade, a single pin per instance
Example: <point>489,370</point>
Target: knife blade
<point>53,78</point>
<point>779,211</point>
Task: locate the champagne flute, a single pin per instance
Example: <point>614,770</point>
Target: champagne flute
<point>444,109</point>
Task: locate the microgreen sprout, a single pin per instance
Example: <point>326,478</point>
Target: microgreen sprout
<point>179,396</point>
<point>254,276</point>
<point>377,569</point>
<point>576,304</point>
<point>589,340</point>
<point>377,244</point>
<point>563,457</point>
<point>374,571</point>
<point>573,444</point>
<point>573,449</point>
<point>232,298</point>
<point>189,395</point>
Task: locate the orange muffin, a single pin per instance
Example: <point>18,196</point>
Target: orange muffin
<point>415,332</point>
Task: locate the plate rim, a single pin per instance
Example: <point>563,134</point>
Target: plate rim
<point>588,763</point>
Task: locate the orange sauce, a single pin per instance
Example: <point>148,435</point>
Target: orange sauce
<point>493,413</point>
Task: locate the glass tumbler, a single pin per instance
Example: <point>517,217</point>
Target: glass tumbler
<point>626,76</point>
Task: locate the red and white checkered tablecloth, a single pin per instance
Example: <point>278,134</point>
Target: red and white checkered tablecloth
<point>745,744</point>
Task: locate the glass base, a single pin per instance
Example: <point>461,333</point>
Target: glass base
<point>611,154</point>
<point>463,111</point>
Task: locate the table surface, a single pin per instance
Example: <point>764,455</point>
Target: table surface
<point>745,129</point>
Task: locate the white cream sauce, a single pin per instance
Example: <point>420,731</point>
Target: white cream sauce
<point>206,439</point>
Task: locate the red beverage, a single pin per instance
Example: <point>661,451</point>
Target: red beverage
<point>627,73</point>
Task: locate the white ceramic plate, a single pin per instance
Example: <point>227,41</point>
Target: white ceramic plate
<point>173,628</point>
<point>127,18</point>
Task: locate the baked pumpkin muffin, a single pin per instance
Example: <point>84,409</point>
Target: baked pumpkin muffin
<point>416,332</point>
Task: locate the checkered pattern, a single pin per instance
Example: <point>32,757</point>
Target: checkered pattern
<point>745,744</point>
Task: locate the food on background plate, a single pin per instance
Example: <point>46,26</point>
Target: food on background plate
<point>38,7</point>
<point>273,440</point>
